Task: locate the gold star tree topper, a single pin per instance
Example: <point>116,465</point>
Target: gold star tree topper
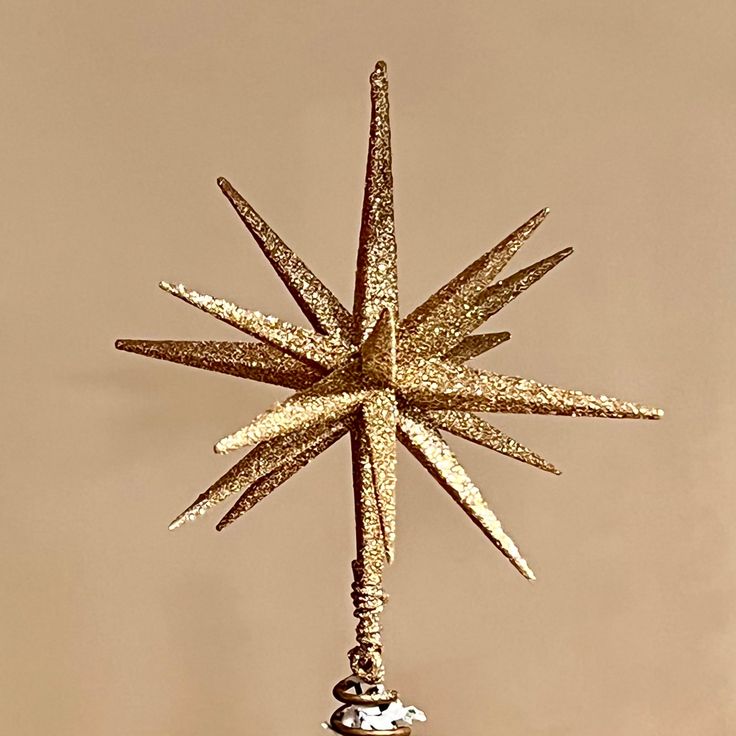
<point>380,378</point>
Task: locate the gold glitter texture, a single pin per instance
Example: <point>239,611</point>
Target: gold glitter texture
<point>376,281</point>
<point>264,458</point>
<point>376,377</point>
<point>471,427</point>
<point>424,331</point>
<point>262,363</point>
<point>320,440</point>
<point>435,454</point>
<point>474,345</point>
<point>379,426</point>
<point>366,657</point>
<point>332,397</point>
<point>298,341</point>
<point>320,307</point>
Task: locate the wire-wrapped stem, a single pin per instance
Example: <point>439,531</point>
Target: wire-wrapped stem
<point>366,658</point>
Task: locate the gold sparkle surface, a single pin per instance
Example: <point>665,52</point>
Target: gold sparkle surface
<point>378,378</point>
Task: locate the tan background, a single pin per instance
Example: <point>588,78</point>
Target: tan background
<point>117,118</point>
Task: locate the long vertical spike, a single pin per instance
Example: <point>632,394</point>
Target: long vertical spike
<point>376,285</point>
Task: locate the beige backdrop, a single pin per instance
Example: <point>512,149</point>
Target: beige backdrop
<point>118,117</point>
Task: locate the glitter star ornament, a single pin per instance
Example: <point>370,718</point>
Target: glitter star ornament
<point>381,379</point>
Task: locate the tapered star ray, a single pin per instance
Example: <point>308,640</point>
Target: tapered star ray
<point>426,444</point>
<point>377,377</point>
<point>376,282</point>
<point>330,398</point>
<point>453,327</point>
<point>264,458</point>
<point>269,482</point>
<point>262,363</point>
<point>451,303</point>
<point>436,384</point>
<point>497,296</point>
<point>471,427</point>
<point>298,341</point>
<point>474,345</point>
<point>320,307</point>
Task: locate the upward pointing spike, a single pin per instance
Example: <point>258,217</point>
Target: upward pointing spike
<point>474,345</point>
<point>376,283</point>
<point>496,297</point>
<point>475,312</point>
<point>449,304</point>
<point>320,306</point>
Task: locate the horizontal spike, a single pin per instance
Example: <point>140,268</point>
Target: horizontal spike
<point>445,385</point>
<point>262,363</point>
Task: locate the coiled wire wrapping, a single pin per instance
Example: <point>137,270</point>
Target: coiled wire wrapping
<point>366,660</point>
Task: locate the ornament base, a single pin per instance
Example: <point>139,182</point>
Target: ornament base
<point>370,710</point>
<point>339,727</point>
